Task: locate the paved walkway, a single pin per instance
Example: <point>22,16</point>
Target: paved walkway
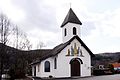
<point>105,77</point>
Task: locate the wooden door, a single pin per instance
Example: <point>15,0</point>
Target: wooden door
<point>75,68</point>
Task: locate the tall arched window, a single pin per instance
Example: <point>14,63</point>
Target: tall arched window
<point>38,67</point>
<point>74,31</point>
<point>65,32</point>
<point>34,70</point>
<point>55,63</point>
<point>47,66</point>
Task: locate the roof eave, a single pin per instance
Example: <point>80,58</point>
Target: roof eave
<point>69,22</point>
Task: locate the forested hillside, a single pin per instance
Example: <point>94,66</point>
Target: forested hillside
<point>18,61</point>
<point>105,58</point>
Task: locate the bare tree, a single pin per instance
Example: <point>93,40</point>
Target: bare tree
<point>28,44</point>
<point>40,45</point>
<point>21,41</point>
<point>12,35</point>
<point>16,33</point>
<point>5,30</point>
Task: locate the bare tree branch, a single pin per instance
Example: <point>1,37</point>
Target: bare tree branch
<point>40,45</point>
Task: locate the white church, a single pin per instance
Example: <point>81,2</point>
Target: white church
<point>70,58</point>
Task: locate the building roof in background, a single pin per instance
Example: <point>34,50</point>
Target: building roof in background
<point>115,65</point>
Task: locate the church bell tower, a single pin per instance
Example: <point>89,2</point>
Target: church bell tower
<point>70,26</point>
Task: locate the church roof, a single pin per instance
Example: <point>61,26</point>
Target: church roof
<point>56,50</point>
<point>71,17</point>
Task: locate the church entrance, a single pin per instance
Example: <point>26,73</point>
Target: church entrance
<point>75,67</point>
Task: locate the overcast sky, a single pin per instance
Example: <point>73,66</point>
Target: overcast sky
<point>41,20</point>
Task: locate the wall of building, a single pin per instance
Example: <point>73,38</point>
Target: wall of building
<point>33,70</point>
<point>64,68</point>
<point>63,63</point>
<point>69,28</point>
<point>42,72</point>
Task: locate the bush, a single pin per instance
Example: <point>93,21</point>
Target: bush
<point>98,72</point>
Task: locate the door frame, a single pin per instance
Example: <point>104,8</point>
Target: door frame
<point>79,64</point>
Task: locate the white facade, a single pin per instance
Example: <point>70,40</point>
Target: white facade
<point>69,31</point>
<point>63,64</point>
<point>73,60</point>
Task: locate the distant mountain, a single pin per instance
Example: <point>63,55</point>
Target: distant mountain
<point>106,58</point>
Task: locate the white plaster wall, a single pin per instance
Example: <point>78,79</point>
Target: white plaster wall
<point>64,68</point>
<point>33,70</point>
<point>63,63</point>
<point>42,73</point>
<point>38,72</point>
<point>86,67</point>
<point>69,28</point>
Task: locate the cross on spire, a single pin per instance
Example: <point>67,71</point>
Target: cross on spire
<point>70,4</point>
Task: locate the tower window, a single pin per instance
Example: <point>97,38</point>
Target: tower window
<point>65,32</point>
<point>47,66</point>
<point>74,31</point>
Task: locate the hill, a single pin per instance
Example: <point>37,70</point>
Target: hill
<point>106,58</point>
<point>18,61</point>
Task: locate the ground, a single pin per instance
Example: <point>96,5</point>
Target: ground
<point>104,77</point>
<point>27,78</point>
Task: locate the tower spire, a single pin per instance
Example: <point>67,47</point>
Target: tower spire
<point>70,26</point>
<point>71,17</point>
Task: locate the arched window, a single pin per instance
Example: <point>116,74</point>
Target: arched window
<point>34,70</point>
<point>65,32</point>
<point>55,63</point>
<point>38,67</point>
<point>74,31</point>
<point>47,66</point>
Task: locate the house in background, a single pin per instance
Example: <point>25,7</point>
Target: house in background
<point>116,67</point>
<point>70,58</point>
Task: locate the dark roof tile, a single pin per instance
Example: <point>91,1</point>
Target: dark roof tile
<point>71,17</point>
<point>60,47</point>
